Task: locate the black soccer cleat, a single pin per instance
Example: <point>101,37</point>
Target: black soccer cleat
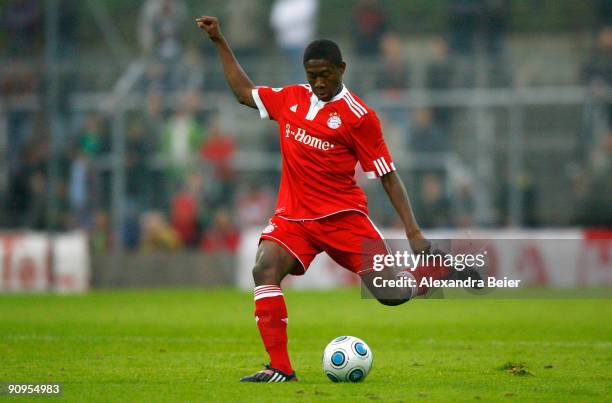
<point>270,375</point>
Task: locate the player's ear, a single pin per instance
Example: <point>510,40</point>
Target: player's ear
<point>342,67</point>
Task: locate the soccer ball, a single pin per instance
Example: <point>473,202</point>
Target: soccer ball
<point>347,359</point>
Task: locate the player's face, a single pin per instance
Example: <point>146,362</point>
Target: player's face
<point>324,77</point>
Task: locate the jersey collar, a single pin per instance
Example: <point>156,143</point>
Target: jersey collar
<point>316,104</point>
<point>340,95</point>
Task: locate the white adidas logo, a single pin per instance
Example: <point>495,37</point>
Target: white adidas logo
<point>293,108</point>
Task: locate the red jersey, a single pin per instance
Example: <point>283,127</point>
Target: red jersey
<point>321,143</point>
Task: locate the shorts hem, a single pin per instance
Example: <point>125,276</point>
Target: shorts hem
<point>287,248</point>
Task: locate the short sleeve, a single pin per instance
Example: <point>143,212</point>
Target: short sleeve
<point>269,101</point>
<point>370,147</point>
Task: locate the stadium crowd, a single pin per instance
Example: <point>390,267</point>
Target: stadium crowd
<point>182,187</point>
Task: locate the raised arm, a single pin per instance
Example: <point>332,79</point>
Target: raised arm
<point>396,191</point>
<point>237,79</point>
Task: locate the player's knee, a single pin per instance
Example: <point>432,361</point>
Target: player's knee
<point>265,273</point>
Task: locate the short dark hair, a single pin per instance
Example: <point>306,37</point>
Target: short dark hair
<point>323,49</point>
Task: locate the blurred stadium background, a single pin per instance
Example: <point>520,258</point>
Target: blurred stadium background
<point>125,161</point>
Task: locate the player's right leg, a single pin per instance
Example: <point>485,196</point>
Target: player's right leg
<point>273,263</point>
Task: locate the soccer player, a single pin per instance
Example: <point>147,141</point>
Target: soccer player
<point>325,129</point>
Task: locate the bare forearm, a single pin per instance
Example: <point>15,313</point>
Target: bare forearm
<point>398,196</point>
<point>237,79</point>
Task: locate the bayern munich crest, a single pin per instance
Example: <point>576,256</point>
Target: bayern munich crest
<point>269,228</point>
<point>334,121</point>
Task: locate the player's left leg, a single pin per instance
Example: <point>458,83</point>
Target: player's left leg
<point>391,296</point>
<point>351,239</point>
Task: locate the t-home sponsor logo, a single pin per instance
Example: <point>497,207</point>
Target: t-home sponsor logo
<point>300,135</point>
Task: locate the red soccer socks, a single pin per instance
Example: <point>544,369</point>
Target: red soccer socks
<point>271,317</point>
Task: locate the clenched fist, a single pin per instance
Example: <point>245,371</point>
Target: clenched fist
<point>211,26</point>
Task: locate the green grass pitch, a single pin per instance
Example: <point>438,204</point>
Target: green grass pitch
<point>194,345</point>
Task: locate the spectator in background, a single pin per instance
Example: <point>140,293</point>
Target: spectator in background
<point>432,205</point>
<point>440,70</point>
<point>191,71</point>
<point>596,208</point>
<point>155,122</point>
<point>85,184</point>
<point>160,31</point>
<point>68,27</point>
<point>21,20</point>
<point>138,174</point>
<point>599,66</point>
<point>439,76</point>
<point>183,135</point>
<point>222,237</point>
<point>218,152</point>
<point>494,19</point>
<point>425,136</point>
<point>243,29</point>
<point>254,205</point>
<point>392,78</point>
<point>494,15</point>
<point>186,208</point>
<point>161,23</point>
<point>24,186</point>
<point>19,80</point>
<point>36,216</point>
<point>294,22</point>
<point>523,183</point>
<point>157,235</point>
<point>462,25</point>
<point>93,140</point>
<point>603,12</point>
<point>393,74</point>
<point>154,117</point>
<point>100,238</point>
<point>598,70</point>
<point>79,188</point>
<point>464,205</point>
<point>369,25</point>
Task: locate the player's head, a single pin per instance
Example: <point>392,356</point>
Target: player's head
<point>324,68</point>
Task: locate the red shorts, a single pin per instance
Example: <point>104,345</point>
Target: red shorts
<point>342,236</point>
